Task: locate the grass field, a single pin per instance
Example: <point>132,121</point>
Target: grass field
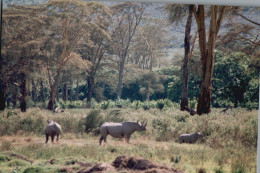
<point>229,143</point>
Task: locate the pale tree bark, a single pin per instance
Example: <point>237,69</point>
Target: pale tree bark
<point>207,52</point>
<point>186,60</point>
<point>125,31</point>
<point>96,59</point>
<point>150,66</point>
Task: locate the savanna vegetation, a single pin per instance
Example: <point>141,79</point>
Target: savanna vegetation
<point>83,63</point>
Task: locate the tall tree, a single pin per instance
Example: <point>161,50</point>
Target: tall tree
<point>71,20</point>
<point>2,87</point>
<point>93,48</point>
<point>126,18</point>
<point>207,51</point>
<point>22,39</point>
<point>152,43</point>
<point>175,14</point>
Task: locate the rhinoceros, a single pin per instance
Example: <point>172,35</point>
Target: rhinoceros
<point>52,129</point>
<point>120,130</point>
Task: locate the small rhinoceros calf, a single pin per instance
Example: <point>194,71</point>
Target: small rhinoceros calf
<point>190,138</point>
<point>52,129</point>
<point>120,130</point>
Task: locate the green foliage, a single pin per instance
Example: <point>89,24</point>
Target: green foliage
<point>219,170</point>
<point>163,129</point>
<point>166,103</point>
<point>136,104</point>
<point>107,104</point>
<point>4,158</point>
<point>93,121</point>
<point>148,105</point>
<point>176,159</point>
<point>120,103</point>
<point>232,85</point>
<point>34,170</point>
<point>71,104</point>
<point>17,163</point>
<point>251,105</point>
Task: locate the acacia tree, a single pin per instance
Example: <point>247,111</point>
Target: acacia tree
<point>2,87</point>
<point>175,13</point>
<point>71,20</point>
<point>152,41</point>
<point>207,51</point>
<point>126,18</point>
<point>93,48</point>
<point>22,28</point>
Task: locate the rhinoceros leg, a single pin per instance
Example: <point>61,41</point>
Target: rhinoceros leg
<point>100,140</point>
<point>52,138</point>
<point>127,139</point>
<point>58,137</point>
<point>47,138</point>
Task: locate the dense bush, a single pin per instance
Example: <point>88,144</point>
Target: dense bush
<point>93,121</point>
<point>166,103</point>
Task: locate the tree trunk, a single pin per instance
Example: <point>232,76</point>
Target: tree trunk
<point>34,92</point>
<point>42,92</point>
<point>57,96</point>
<point>91,84</point>
<point>120,77</point>
<point>65,92</point>
<point>2,83</point>
<point>71,90</point>
<point>185,74</point>
<point>2,94</point>
<point>207,56</point>
<point>53,91</point>
<point>148,89</point>
<point>23,90</point>
<point>77,91</point>
<point>14,98</point>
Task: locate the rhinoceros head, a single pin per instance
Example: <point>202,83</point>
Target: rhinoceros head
<point>141,126</point>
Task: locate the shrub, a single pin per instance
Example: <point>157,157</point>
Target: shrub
<point>33,170</point>
<point>166,103</point>
<point>163,129</point>
<point>11,113</point>
<point>136,104</point>
<point>148,105</point>
<point>120,103</point>
<point>32,124</point>
<point>4,158</point>
<point>93,121</point>
<point>219,170</point>
<point>251,105</point>
<point>107,104</point>
<point>16,163</point>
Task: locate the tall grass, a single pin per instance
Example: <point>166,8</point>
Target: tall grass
<point>228,145</point>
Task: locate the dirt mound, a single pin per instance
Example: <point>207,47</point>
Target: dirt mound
<point>130,164</point>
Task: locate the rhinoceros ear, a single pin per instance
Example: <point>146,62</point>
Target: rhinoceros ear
<point>137,122</point>
<point>145,124</point>
<point>48,121</point>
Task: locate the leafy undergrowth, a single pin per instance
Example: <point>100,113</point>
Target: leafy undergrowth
<point>228,145</point>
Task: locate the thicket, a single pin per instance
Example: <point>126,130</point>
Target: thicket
<point>235,128</point>
<point>236,86</point>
